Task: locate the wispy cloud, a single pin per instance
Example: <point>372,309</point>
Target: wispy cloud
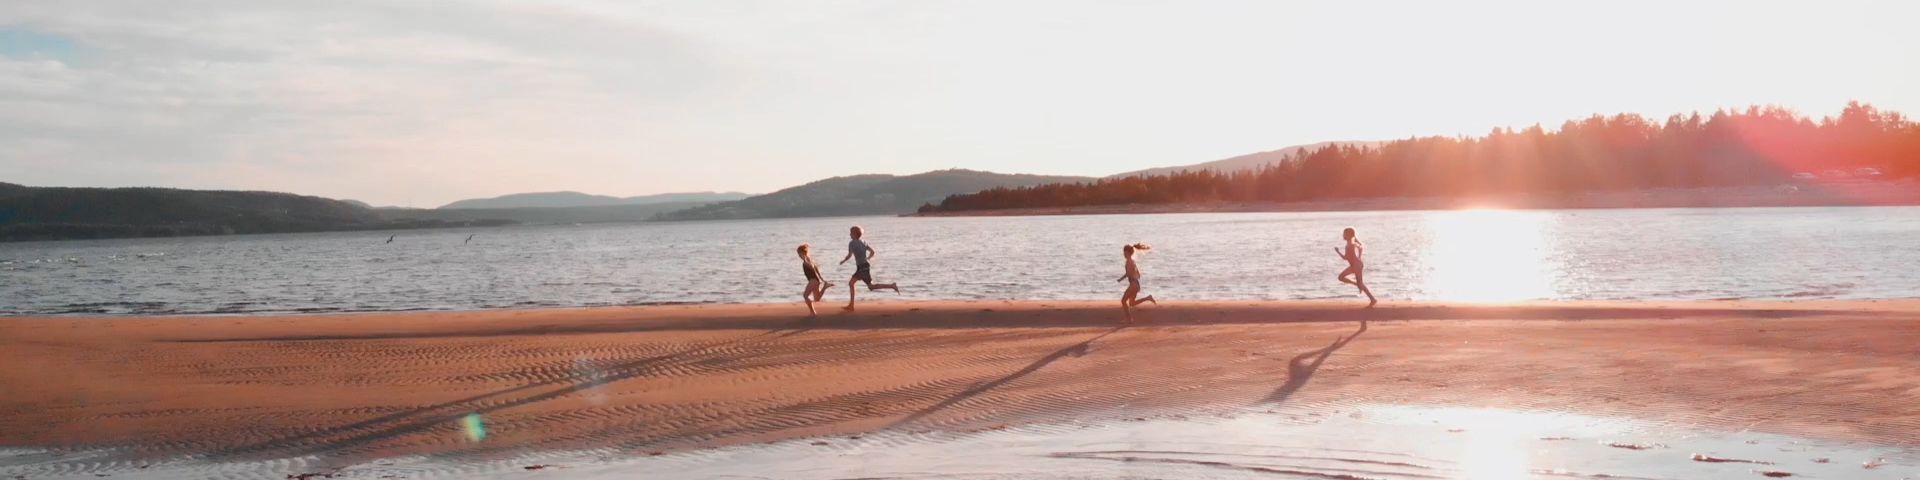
<point>421,103</point>
<point>347,98</point>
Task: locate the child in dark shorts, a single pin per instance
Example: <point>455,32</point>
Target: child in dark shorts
<point>861,253</point>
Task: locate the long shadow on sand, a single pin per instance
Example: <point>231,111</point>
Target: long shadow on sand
<point>1301,367</point>
<point>1213,313</point>
<point>445,413</point>
<point>1075,350</point>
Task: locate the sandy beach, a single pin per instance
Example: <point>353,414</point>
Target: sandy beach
<point>659,380</point>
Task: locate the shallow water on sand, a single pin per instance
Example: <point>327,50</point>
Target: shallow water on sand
<point>1491,256</point>
<point>1368,442</point>
<point>1371,442</point>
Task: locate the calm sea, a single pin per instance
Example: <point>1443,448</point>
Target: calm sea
<point>1491,256</point>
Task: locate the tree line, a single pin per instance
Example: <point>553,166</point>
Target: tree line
<point>1757,146</point>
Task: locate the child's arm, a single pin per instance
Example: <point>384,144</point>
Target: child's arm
<point>872,253</point>
<point>849,256</point>
<point>1342,255</point>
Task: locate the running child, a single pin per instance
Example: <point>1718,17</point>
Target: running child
<point>1355,266</point>
<point>861,253</point>
<point>1127,300</point>
<point>816,285</point>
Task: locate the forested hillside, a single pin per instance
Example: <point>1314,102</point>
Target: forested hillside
<point>1758,146</point>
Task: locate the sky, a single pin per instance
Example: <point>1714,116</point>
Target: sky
<point>422,103</point>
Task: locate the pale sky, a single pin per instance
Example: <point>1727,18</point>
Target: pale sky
<point>422,103</point>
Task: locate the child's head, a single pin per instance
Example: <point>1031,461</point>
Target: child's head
<point>805,249</point>
<point>855,232</point>
<point>1138,247</point>
<point>1347,234</point>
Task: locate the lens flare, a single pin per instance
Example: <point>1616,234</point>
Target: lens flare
<point>476,430</point>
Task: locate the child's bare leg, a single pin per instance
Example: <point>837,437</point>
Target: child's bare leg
<point>851,293</point>
<point>1358,282</point>
<point>810,295</point>
<point>884,286</point>
<point>1343,276</point>
<point>1148,298</point>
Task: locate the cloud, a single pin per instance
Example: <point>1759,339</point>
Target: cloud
<point>421,103</point>
<point>342,98</point>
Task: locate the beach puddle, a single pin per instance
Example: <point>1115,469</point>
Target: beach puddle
<point>1353,443</point>
<point>1370,442</point>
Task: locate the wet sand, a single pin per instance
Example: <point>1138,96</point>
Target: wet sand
<point>348,389</point>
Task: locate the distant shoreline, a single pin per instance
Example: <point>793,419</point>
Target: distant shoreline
<point>1860,194</point>
<point>1836,194</point>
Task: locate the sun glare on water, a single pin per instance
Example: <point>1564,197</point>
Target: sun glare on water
<point>1496,449</point>
<point>1487,256</point>
<point>1493,444</point>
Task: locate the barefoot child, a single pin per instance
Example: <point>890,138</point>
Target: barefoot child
<point>816,285</point>
<point>860,253</point>
<point>1127,300</point>
<point>1355,266</point>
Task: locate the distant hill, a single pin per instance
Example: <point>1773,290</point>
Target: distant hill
<point>539,215</point>
<point>863,195</point>
<point>577,199</point>
<point>361,204</point>
<point>54,213</point>
<point>1251,161</point>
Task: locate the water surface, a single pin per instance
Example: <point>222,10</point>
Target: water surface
<point>1662,254</point>
<point>1383,442</point>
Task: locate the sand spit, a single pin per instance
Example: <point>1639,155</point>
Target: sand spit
<point>311,393</point>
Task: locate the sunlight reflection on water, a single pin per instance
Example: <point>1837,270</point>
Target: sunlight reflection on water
<point>1384,442</point>
<point>1488,256</point>
<point>1373,441</point>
